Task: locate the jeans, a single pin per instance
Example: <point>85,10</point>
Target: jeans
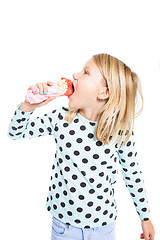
<point>62,231</point>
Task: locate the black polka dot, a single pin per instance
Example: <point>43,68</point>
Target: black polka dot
<point>138,180</point>
<point>82,127</point>
<point>61,136</point>
<point>105,212</point>
<point>41,130</point>
<point>90,204</point>
<point>83,184</point>
<point>68,145</point>
<point>91,191</point>
<point>57,195</point>
<point>77,221</point>
<point>95,156</point>
<point>55,206</point>
<point>98,143</point>
<point>104,224</point>
<point>63,204</point>
<point>72,189</point>
<point>84,160</point>
<point>49,129</point>
<point>96,220</point>
<point>76,120</point>
<point>14,128</point>
<point>107,151</point>
<point>98,208</point>
<point>90,135</point>
<point>60,215</point>
<point>65,125</point>
<point>69,213</point>
<point>103,163</point>
<point>91,180</point>
<point>142,200</point>
<point>87,148</point>
<point>76,153</point>
<point>132,164</point>
<point>31,133</point>
<point>130,154</point>
<point>93,168</point>
<point>74,177</point>
<point>67,169</point>
<point>79,209</point>
<point>48,208</point>
<point>144,209</point>
<point>60,116</point>
<point>140,190</point>
<point>71,202</point>
<point>81,197</point>
<point>128,144</point>
<point>71,132</point>
<point>32,124</point>
<point>101,174</point>
<point>79,140</point>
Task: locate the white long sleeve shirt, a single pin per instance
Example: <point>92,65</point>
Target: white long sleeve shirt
<point>84,171</point>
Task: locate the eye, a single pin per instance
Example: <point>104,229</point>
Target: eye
<point>85,72</point>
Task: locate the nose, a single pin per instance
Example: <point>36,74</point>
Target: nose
<point>75,76</point>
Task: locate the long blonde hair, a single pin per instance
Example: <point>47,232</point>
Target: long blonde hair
<point>116,118</point>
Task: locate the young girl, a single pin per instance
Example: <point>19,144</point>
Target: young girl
<point>92,136</point>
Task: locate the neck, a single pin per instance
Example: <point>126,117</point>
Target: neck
<point>91,115</point>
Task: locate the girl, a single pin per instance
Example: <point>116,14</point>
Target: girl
<point>92,136</point>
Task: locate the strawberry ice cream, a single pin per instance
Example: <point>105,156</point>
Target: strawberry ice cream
<point>64,87</point>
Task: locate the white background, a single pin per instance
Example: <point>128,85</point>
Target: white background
<point>46,40</point>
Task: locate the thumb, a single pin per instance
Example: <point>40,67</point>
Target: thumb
<point>142,236</point>
<point>146,237</point>
<point>50,98</point>
<point>46,101</point>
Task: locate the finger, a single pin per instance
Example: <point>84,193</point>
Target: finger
<point>40,86</point>
<point>146,237</point>
<point>34,89</point>
<point>50,99</point>
<point>45,88</point>
<point>49,83</point>
<point>152,236</point>
<point>47,101</point>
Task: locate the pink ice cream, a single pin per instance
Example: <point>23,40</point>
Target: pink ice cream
<point>64,87</point>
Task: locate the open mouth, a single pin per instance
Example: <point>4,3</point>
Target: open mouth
<point>73,88</point>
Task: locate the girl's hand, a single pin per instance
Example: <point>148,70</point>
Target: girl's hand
<point>43,89</point>
<point>148,230</point>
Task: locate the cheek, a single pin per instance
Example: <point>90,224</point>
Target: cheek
<point>90,91</point>
<point>86,89</point>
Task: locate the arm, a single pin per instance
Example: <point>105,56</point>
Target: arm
<point>134,181</point>
<point>133,177</point>
<point>21,126</point>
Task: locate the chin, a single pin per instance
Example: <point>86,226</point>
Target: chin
<point>72,106</point>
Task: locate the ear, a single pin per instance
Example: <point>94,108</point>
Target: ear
<point>103,93</point>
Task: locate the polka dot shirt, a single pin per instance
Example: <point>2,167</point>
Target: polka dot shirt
<point>82,185</point>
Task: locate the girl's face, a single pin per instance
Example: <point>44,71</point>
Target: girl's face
<point>87,85</point>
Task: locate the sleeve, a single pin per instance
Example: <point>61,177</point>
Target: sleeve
<point>133,177</point>
<point>22,127</point>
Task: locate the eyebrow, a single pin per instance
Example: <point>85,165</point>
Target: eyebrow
<point>86,67</point>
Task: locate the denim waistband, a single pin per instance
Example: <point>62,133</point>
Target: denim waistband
<point>106,227</point>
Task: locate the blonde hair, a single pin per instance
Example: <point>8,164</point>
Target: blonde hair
<point>116,118</point>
